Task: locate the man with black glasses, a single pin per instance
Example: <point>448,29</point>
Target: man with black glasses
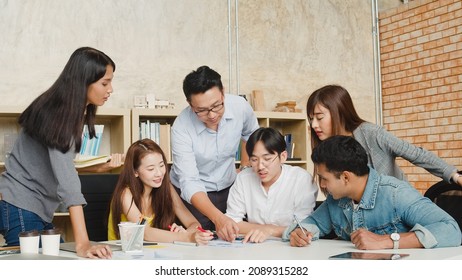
<point>205,139</point>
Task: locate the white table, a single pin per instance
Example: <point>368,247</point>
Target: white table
<point>277,250</point>
<point>274,250</point>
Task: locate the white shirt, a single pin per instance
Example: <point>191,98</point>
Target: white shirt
<point>292,193</point>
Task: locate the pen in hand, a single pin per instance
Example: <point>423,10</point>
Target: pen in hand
<point>299,225</point>
<point>199,228</point>
<point>302,229</point>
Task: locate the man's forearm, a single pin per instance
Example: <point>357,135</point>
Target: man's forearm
<point>201,202</point>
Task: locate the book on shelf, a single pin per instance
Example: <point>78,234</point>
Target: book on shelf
<point>81,161</point>
<point>159,133</point>
<point>238,152</point>
<point>164,140</point>
<point>289,144</point>
<point>292,148</point>
<point>155,133</point>
<point>90,147</point>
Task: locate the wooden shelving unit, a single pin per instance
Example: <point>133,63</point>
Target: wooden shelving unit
<point>293,123</point>
<point>162,116</point>
<point>116,135</point>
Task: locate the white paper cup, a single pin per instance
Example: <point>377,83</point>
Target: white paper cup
<point>29,242</point>
<point>50,242</point>
<point>131,236</point>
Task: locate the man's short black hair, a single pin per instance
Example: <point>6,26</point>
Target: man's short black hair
<point>341,153</point>
<point>272,139</point>
<point>201,80</point>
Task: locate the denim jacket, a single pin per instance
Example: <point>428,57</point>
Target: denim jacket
<point>388,205</point>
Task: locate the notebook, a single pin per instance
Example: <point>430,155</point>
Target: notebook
<point>70,246</point>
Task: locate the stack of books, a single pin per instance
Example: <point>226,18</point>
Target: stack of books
<point>90,147</point>
<point>159,133</point>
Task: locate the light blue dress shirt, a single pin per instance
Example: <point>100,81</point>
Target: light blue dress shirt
<point>388,205</point>
<point>204,159</point>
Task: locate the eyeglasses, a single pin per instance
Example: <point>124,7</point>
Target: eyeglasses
<point>206,112</point>
<point>254,161</point>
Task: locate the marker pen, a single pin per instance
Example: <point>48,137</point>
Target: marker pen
<point>199,228</point>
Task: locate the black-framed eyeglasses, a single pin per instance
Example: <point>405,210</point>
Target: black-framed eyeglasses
<point>206,112</point>
<point>254,161</point>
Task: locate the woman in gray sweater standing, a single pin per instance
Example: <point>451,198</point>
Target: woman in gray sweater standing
<point>39,173</point>
<point>331,112</point>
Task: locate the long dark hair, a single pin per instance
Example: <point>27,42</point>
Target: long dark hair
<point>161,198</point>
<point>56,117</point>
<point>338,101</point>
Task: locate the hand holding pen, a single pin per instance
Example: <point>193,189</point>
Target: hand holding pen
<point>300,237</point>
<point>203,236</point>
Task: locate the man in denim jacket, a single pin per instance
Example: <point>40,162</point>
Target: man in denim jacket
<point>373,211</point>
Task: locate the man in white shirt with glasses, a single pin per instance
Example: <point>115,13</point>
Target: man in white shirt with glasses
<point>205,139</point>
<point>264,199</point>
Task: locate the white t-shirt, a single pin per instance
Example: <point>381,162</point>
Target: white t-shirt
<point>292,193</point>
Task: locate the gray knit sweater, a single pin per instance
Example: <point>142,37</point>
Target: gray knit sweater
<point>383,148</point>
<point>37,178</point>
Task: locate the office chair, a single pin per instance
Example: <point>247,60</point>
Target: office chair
<point>448,196</point>
<point>97,190</point>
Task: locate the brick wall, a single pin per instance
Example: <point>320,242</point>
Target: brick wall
<point>421,65</point>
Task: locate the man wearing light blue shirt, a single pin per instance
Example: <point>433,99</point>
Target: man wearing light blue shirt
<point>205,139</point>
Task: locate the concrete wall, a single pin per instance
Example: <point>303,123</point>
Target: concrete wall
<point>286,48</point>
<point>384,5</point>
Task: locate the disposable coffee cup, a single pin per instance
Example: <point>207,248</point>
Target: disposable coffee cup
<point>29,242</point>
<point>131,237</point>
<point>51,239</point>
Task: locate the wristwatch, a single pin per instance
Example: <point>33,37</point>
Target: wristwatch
<point>395,237</point>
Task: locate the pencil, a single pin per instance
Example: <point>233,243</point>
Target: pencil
<point>142,220</point>
<point>299,225</point>
<point>184,243</point>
